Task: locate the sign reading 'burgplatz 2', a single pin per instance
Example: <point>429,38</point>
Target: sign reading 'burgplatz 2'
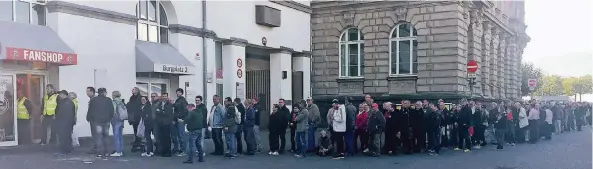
<point>173,69</point>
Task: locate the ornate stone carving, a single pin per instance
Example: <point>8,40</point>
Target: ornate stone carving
<point>401,13</point>
<point>349,17</point>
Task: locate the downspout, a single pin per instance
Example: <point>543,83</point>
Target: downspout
<point>204,53</point>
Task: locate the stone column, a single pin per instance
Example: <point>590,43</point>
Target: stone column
<point>302,62</point>
<point>494,62</point>
<point>281,65</point>
<point>510,85</point>
<point>502,54</point>
<point>475,47</point>
<point>233,52</point>
<point>485,66</point>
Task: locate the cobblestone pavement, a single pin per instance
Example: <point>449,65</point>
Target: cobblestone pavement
<point>567,151</point>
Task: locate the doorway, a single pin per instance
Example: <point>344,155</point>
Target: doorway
<point>30,86</point>
<point>7,110</point>
<point>148,86</point>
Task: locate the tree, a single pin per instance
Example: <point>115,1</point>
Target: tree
<point>550,85</point>
<point>528,71</point>
<point>583,85</point>
<point>569,86</point>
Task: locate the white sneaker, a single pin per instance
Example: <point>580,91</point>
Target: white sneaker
<point>116,154</point>
<point>477,147</point>
<point>270,153</point>
<point>366,150</point>
<point>144,154</point>
<point>150,154</point>
<point>275,153</point>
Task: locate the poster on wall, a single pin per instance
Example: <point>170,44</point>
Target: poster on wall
<point>241,91</point>
<point>6,108</point>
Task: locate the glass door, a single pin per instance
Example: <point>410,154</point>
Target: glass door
<point>8,135</point>
<point>148,87</point>
<point>30,86</point>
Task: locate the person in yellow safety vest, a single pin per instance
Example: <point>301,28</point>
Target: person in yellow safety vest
<point>24,107</point>
<point>74,97</point>
<point>48,109</point>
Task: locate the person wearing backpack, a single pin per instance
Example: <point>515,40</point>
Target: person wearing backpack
<point>231,120</point>
<point>117,123</point>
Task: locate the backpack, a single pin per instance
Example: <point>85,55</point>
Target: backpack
<point>121,111</point>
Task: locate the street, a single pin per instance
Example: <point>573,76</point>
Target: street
<point>567,151</point>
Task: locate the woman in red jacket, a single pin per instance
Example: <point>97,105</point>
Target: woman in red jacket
<point>360,124</point>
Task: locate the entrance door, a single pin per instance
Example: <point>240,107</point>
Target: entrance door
<point>31,86</point>
<point>8,134</point>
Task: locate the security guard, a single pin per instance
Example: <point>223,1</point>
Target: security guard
<point>48,111</point>
<point>24,108</point>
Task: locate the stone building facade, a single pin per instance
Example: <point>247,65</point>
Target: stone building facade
<point>417,49</point>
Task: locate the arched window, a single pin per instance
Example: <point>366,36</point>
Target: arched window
<point>403,50</point>
<point>152,22</point>
<point>351,53</point>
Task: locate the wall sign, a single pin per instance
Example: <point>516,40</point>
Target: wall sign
<point>41,56</point>
<point>173,69</point>
<point>239,73</point>
<point>264,41</point>
<point>239,63</point>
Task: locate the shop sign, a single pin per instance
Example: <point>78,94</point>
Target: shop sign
<point>173,69</point>
<point>41,56</point>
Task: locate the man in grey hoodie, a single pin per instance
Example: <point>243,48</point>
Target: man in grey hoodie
<point>314,120</point>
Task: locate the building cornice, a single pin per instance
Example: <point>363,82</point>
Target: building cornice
<point>294,5</point>
<point>56,6</point>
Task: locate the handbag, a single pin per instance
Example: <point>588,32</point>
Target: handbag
<point>75,142</point>
<point>141,129</point>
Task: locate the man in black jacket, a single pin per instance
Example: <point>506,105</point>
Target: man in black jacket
<point>239,134</point>
<point>465,116</point>
<point>433,129</point>
<point>376,125</point>
<point>418,129</point>
<point>100,113</point>
<point>164,120</point>
<point>349,135</point>
<point>178,133</point>
<point>479,137</point>
<point>283,123</point>
<point>391,129</point>
<point>403,125</point>
<point>65,118</point>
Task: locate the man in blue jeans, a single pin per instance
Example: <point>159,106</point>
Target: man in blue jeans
<point>195,124</point>
<point>178,129</point>
<point>314,119</point>
<point>349,134</point>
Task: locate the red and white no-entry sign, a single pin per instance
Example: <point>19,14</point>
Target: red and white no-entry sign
<point>531,82</point>
<point>472,66</point>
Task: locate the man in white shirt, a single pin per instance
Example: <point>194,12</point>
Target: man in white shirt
<point>534,123</point>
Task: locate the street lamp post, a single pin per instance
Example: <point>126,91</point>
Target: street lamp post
<point>471,77</point>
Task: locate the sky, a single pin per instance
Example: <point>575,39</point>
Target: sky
<point>561,37</point>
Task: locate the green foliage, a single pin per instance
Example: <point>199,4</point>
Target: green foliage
<point>529,71</point>
<point>550,85</point>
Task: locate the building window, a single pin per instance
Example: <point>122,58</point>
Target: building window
<point>23,11</point>
<point>403,50</point>
<point>218,66</point>
<point>152,22</point>
<point>351,53</point>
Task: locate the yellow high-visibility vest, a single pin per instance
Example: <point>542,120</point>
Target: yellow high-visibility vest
<point>75,106</point>
<point>21,109</point>
<point>49,105</point>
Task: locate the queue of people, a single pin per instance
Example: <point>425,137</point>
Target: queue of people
<point>420,127</point>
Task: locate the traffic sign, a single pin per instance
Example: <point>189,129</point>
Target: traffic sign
<point>472,66</point>
<point>531,83</point>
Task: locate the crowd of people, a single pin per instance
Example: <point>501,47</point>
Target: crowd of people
<point>167,127</point>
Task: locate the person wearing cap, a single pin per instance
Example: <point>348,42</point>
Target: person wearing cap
<point>65,120</point>
<point>339,127</point>
<point>314,120</point>
<point>375,127</point>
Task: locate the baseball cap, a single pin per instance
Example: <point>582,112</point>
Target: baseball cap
<point>335,101</point>
<point>375,105</point>
<point>309,98</point>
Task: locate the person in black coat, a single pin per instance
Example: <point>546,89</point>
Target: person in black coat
<point>391,129</point>
<point>403,125</point>
<point>65,118</point>
<point>134,115</point>
<point>276,128</point>
<point>477,117</point>
<point>164,121</point>
<point>292,127</point>
<point>147,116</point>
<point>465,116</point>
<point>418,129</point>
<point>284,118</point>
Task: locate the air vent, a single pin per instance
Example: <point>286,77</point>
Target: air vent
<point>267,16</point>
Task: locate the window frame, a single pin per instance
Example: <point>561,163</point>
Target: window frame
<point>147,21</point>
<point>346,43</point>
<point>31,3</point>
<point>396,40</point>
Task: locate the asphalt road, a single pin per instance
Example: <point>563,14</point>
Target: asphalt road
<point>566,151</point>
